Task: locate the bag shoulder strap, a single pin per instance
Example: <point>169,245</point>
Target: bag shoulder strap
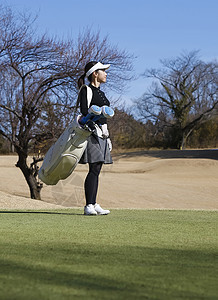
<point>89,96</point>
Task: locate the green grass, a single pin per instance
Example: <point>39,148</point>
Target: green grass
<point>129,254</point>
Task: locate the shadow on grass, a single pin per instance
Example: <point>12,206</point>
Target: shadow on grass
<point>109,272</point>
<point>41,212</point>
<point>169,154</point>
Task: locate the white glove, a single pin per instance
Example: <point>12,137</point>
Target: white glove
<point>109,144</point>
<point>105,132</point>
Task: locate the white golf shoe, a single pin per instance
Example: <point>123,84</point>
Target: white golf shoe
<point>89,210</point>
<point>101,211</point>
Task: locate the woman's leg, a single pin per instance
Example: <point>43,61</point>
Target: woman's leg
<point>91,182</point>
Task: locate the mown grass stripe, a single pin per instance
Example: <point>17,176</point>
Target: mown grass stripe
<point>141,254</point>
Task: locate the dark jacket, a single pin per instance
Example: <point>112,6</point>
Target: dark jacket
<point>98,98</point>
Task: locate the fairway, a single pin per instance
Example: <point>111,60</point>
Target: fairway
<point>129,254</point>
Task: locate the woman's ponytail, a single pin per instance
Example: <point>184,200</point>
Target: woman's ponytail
<point>81,80</point>
<point>88,66</point>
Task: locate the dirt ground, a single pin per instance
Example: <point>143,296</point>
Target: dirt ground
<point>165,179</point>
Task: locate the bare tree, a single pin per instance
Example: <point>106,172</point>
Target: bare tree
<point>38,79</point>
<point>184,92</point>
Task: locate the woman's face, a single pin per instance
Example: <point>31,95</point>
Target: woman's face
<point>101,76</point>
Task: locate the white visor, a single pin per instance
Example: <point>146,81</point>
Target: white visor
<point>98,66</point>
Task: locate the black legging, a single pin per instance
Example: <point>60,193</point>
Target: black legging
<point>91,182</point>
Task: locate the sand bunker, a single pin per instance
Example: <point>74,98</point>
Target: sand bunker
<point>140,179</point>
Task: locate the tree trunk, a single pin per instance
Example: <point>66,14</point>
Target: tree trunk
<point>34,186</point>
<point>184,139</point>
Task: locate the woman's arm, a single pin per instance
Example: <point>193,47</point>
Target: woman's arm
<point>83,101</point>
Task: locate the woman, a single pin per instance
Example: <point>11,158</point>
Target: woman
<point>97,151</point>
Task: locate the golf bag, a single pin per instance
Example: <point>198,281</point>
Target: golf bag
<point>63,157</point>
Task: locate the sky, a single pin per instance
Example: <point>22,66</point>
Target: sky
<point>150,30</point>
